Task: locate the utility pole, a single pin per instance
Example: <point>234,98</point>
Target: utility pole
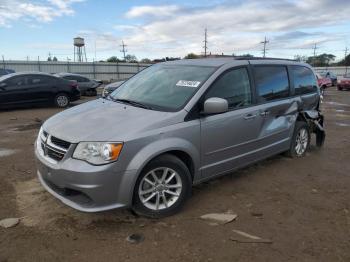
<point>205,42</point>
<point>123,49</point>
<point>346,66</point>
<point>95,50</point>
<point>264,42</point>
<point>314,58</point>
<point>3,61</point>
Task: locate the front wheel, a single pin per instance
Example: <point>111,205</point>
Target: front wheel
<point>62,100</point>
<point>300,140</point>
<point>162,188</point>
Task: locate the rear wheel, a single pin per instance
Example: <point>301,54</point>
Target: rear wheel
<point>62,100</point>
<point>300,140</point>
<point>162,188</point>
<point>339,88</point>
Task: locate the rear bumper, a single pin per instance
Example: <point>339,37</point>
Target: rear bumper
<point>344,86</point>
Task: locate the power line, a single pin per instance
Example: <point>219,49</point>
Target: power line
<point>264,42</point>
<point>205,42</point>
<point>123,49</point>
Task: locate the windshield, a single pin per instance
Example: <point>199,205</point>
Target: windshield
<point>163,87</point>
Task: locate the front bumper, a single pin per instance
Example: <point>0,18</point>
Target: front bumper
<point>86,187</point>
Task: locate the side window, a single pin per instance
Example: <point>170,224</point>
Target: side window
<point>68,78</point>
<point>37,80</point>
<point>234,86</point>
<point>304,80</point>
<point>271,82</point>
<point>16,82</point>
<point>83,79</point>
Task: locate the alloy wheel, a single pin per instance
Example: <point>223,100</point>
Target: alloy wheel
<point>301,141</point>
<point>62,100</point>
<point>160,188</point>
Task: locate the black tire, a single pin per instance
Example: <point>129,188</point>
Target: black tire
<point>62,100</point>
<point>163,161</point>
<point>292,152</point>
<point>339,88</point>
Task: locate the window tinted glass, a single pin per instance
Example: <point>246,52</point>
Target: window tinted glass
<point>80,79</point>
<point>38,80</point>
<point>16,82</point>
<point>304,80</point>
<point>234,86</point>
<point>164,87</point>
<point>271,82</point>
<point>69,78</point>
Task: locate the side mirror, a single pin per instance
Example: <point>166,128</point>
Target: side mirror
<point>215,105</point>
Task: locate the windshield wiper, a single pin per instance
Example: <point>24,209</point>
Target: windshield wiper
<point>134,103</point>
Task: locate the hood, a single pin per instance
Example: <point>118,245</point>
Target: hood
<point>104,120</point>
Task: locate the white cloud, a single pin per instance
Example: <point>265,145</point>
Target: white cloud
<point>13,10</point>
<point>232,27</point>
<point>156,11</point>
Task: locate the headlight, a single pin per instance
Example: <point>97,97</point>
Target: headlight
<point>98,153</point>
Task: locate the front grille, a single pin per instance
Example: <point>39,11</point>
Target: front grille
<point>55,154</point>
<point>59,142</point>
<point>52,147</point>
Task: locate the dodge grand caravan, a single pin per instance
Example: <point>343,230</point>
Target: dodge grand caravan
<point>173,125</point>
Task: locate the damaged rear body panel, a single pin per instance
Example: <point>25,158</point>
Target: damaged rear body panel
<point>315,120</point>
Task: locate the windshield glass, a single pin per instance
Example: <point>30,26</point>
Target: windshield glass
<point>164,87</point>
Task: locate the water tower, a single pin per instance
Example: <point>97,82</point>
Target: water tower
<point>79,49</point>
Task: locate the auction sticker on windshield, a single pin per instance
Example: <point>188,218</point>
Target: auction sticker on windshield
<point>188,83</point>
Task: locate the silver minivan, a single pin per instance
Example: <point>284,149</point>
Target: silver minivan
<point>176,124</point>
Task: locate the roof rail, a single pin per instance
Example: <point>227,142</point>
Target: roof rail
<point>260,58</point>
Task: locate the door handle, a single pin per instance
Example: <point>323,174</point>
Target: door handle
<point>265,113</point>
<point>249,116</point>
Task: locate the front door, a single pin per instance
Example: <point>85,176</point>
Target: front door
<point>227,139</point>
<point>14,91</point>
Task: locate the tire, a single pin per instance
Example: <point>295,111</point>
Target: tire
<point>147,192</point>
<point>62,100</point>
<point>300,128</point>
<point>340,88</point>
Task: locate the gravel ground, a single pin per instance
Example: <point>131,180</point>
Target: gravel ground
<point>301,205</point>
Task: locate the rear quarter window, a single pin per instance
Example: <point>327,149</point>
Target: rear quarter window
<point>304,80</point>
<point>271,82</point>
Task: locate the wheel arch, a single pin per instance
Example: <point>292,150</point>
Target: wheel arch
<point>177,147</point>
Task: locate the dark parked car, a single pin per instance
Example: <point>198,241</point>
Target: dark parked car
<point>331,76</point>
<point>87,86</point>
<point>344,83</point>
<point>6,71</point>
<point>111,87</point>
<point>27,88</point>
